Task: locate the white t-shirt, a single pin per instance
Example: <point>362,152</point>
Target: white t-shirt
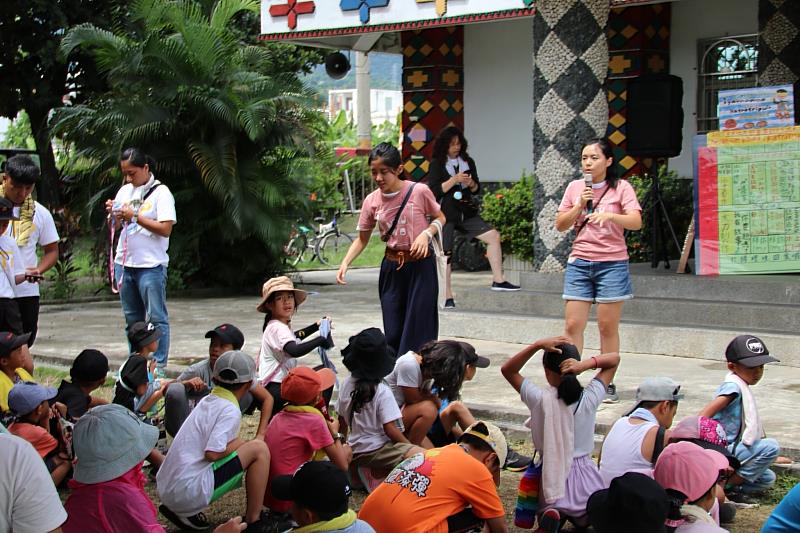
<point>366,426</point>
<point>29,502</point>
<point>185,481</point>
<point>42,233</point>
<point>700,527</point>
<point>142,248</point>
<point>585,413</point>
<point>406,373</point>
<point>275,337</point>
<point>12,265</point>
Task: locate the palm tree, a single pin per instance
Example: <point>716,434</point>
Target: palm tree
<point>230,134</point>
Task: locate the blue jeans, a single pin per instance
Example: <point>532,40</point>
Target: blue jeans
<point>143,294</point>
<point>756,460</point>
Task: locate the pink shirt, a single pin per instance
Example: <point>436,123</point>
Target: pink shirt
<point>413,220</point>
<point>606,242</point>
<point>117,506</point>
<point>292,439</point>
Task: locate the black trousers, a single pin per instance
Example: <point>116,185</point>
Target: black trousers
<point>408,301</point>
<point>29,312</point>
<point>9,316</point>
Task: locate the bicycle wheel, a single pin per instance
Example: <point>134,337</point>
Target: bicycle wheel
<point>294,250</point>
<point>332,248</point>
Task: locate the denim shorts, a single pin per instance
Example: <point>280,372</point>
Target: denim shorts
<point>597,281</point>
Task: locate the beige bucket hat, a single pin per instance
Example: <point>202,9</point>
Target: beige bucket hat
<point>281,283</point>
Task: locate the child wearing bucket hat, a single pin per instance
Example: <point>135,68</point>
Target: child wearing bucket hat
<point>562,425</point>
<point>280,346</point>
<point>87,374</point>
<point>689,474</point>
<point>300,429</point>
<point>368,412</point>
<point>107,490</point>
<point>207,458</point>
<point>634,503</point>
<point>30,403</point>
<point>736,409</point>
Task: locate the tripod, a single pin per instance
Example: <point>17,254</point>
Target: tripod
<point>658,219</point>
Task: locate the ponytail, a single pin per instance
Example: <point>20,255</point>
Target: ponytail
<point>570,389</point>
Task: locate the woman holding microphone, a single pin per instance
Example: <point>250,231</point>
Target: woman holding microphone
<point>600,208</point>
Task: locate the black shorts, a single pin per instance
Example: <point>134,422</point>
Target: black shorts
<point>10,319</point>
<point>464,521</point>
<point>472,227</point>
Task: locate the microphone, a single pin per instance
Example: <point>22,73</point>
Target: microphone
<point>587,180</point>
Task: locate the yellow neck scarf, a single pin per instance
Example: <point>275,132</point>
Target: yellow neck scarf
<point>340,522</point>
<point>21,229</point>
<point>225,394</point>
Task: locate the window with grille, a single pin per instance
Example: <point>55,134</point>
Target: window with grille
<point>724,63</point>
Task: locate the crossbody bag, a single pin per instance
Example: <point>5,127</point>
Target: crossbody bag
<point>385,237</point>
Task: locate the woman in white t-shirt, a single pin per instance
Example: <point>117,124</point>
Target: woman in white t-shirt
<point>597,268</point>
<point>280,346</point>
<point>144,210</point>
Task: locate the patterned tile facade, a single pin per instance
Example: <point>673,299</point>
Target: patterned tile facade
<point>778,42</point>
<point>638,43</point>
<point>433,91</point>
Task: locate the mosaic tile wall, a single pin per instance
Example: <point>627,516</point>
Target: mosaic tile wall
<point>433,92</point>
<point>638,43</point>
<point>779,42</point>
<point>571,62</point>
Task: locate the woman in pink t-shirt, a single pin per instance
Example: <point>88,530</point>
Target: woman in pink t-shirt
<point>408,286</point>
<point>597,268</point>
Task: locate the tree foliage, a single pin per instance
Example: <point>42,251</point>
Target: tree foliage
<point>227,125</point>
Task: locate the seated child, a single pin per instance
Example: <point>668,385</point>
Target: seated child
<point>207,459</point>
<point>689,474</point>
<point>11,361</point>
<point>318,494</point>
<point>735,408</point>
<point>562,426</point>
<point>368,413</point>
<point>300,429</point>
<point>30,403</point>
<point>421,381</point>
<point>108,487</point>
<point>135,389</point>
<point>87,374</point>
<point>633,503</point>
<point>280,347</point>
<point>453,488</point>
<point>635,441</point>
<point>195,383</point>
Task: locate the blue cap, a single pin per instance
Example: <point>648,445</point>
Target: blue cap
<point>26,396</point>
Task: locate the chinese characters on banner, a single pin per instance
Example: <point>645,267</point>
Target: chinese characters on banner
<point>756,107</point>
<point>747,202</point>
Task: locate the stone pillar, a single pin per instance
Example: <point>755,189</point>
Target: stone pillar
<point>778,42</point>
<point>570,66</point>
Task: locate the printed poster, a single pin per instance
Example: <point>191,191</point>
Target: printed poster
<point>756,107</point>
<point>747,202</point>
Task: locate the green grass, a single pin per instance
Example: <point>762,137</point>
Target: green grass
<point>51,377</point>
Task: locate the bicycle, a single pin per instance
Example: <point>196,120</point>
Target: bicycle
<point>327,243</point>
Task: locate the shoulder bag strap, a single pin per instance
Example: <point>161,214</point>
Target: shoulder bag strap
<point>658,445</point>
<point>586,220</point>
<point>150,191</point>
<point>385,237</point>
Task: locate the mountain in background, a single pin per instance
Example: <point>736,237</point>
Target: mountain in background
<point>385,73</point>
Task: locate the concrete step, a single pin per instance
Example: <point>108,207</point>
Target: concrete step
<point>638,337</point>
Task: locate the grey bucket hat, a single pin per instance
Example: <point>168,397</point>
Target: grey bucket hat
<point>108,441</point>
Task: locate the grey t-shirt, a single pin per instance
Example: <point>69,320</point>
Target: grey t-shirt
<point>406,373</point>
<point>200,370</point>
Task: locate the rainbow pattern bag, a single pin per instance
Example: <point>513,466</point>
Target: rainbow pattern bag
<point>528,496</point>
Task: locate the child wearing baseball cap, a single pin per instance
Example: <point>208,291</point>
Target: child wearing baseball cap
<point>635,441</point>
<point>689,474</point>
<point>300,429</point>
<point>135,387</point>
<point>318,495</point>
<point>87,374</point>
<point>207,459</point>
<point>31,406</point>
<point>11,360</point>
<point>735,408</point>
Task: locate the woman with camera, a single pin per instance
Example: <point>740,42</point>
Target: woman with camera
<point>453,179</point>
<point>144,210</point>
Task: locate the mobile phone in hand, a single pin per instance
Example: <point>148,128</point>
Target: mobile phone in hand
<point>33,278</point>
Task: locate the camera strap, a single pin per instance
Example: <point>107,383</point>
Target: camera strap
<point>586,220</point>
<point>385,236</point>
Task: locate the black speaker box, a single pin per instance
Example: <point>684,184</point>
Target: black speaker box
<point>655,116</point>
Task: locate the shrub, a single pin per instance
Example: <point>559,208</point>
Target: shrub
<point>510,211</point>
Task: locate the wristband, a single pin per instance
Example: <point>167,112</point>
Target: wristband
<point>429,233</point>
<point>595,361</point>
